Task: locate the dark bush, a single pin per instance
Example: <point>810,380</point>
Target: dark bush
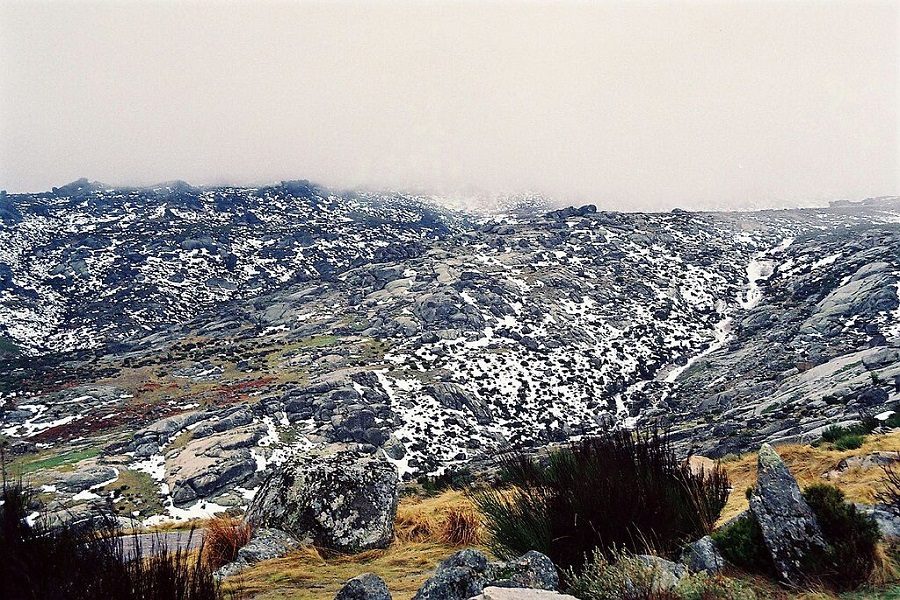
<point>88,560</point>
<point>455,479</point>
<point>624,490</point>
<point>850,441</point>
<point>893,421</point>
<point>852,538</point>
<point>851,437</point>
<point>741,543</point>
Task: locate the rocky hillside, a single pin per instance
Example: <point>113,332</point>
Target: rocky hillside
<point>183,339</point>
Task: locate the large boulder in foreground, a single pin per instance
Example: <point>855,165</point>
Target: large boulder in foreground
<point>789,527</point>
<point>335,498</point>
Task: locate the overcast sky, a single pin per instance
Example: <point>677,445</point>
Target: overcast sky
<point>628,105</point>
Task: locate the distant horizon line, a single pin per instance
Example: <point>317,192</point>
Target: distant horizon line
<point>474,194</point>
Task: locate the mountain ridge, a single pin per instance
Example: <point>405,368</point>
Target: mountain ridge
<point>196,335</point>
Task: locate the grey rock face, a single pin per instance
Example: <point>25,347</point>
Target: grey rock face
<point>531,570</point>
<point>85,479</point>
<point>339,499</point>
<point>210,464</point>
<point>788,525</point>
<point>367,586</point>
<point>666,574</point>
<point>702,556</point>
<point>888,522</point>
<point>265,544</point>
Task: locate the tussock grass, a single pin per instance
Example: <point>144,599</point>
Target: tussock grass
<point>224,537</point>
<point>461,527</point>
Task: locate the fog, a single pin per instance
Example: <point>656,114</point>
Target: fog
<point>627,105</point>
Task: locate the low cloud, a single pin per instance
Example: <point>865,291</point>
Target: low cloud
<point>629,106</point>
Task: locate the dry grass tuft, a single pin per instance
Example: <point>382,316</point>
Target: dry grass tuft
<point>887,569</point>
<point>421,519</point>
<point>224,537</point>
<point>461,527</point>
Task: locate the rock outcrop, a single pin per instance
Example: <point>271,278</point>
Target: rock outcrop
<point>789,527</point>
<point>207,465</point>
<point>336,498</point>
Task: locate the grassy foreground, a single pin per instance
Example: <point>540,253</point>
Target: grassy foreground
<point>420,544</point>
<point>422,541</point>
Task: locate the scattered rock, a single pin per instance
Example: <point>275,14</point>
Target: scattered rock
<point>872,460</point>
<point>702,556</point>
<point>531,570</point>
<point>265,544</point>
<point>666,574</point>
<point>367,586</point>
<point>463,575</point>
<point>888,521</point>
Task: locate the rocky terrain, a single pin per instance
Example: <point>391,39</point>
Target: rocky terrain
<point>163,347</point>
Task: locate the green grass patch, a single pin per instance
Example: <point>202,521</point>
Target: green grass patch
<point>61,461</point>
<point>138,492</point>
<point>317,341</point>
<point>851,441</point>
<point>890,593</point>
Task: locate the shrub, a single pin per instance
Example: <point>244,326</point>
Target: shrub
<point>224,537</point>
<point>702,586</point>
<point>89,560</point>
<point>620,490</point>
<point>852,437</point>
<point>460,527</point>
<point>627,577</point>
<point>850,441</point>
<point>454,479</point>
<point>852,538</point>
<point>741,543</point>
<point>616,575</point>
